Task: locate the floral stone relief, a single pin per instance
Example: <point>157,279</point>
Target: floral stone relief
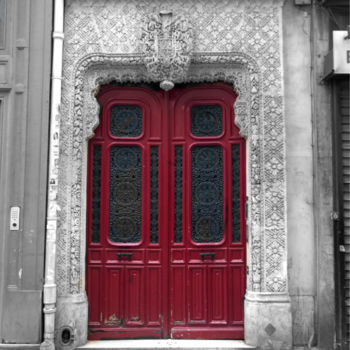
<point>234,41</point>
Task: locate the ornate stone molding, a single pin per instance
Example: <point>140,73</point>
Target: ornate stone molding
<point>235,68</point>
<point>248,59</point>
<point>167,47</point>
<point>97,69</point>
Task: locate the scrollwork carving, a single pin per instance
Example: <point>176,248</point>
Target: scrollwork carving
<point>167,47</point>
<point>240,45</point>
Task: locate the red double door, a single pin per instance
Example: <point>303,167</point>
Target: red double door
<point>166,220</point>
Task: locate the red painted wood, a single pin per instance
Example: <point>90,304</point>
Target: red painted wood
<point>192,332</point>
<point>217,294</point>
<point>153,295</point>
<point>197,294</point>
<point>215,287</point>
<point>166,289</point>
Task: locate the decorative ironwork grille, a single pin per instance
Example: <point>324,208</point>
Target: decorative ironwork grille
<point>96,193</point>
<point>207,194</point>
<point>126,121</point>
<point>236,198</point>
<point>154,194</point>
<point>125,194</point>
<point>178,194</point>
<point>206,120</point>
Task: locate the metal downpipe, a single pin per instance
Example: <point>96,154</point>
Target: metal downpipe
<point>49,291</point>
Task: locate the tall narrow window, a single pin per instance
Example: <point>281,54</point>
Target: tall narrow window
<point>236,189</point>
<point>207,196</point>
<point>96,193</point>
<point>154,194</point>
<point>178,194</point>
<point>125,194</point>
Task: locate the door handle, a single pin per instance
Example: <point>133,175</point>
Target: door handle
<point>204,255</point>
<point>122,255</point>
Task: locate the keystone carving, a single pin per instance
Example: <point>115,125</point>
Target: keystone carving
<point>167,47</point>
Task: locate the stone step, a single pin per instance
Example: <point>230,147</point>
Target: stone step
<point>179,344</point>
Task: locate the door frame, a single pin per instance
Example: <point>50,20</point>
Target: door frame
<point>258,115</point>
<point>163,136</point>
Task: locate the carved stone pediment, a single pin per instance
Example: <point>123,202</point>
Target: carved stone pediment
<point>167,47</point>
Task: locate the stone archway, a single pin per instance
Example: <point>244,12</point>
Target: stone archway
<point>259,114</point>
<point>266,182</point>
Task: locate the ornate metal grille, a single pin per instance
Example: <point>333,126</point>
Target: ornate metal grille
<point>206,120</point>
<point>236,189</point>
<point>126,121</point>
<point>178,194</point>
<point>96,193</point>
<point>154,194</point>
<point>125,194</point>
<point>207,194</point>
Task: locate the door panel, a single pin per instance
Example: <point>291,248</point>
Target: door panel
<point>197,294</point>
<point>178,295</point>
<point>134,296</point>
<point>217,298</point>
<point>95,274</point>
<point>211,239</point>
<point>166,220</point>
<point>124,208</point>
<point>153,302</point>
<point>237,287</point>
<point>113,314</point>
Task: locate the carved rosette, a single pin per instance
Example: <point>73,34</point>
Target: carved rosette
<point>167,47</point>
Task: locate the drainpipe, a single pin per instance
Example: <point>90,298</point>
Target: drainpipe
<point>52,186</point>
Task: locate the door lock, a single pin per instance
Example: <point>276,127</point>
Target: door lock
<point>207,255</point>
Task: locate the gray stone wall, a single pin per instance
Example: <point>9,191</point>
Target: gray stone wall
<point>309,175</point>
<point>325,326</point>
<point>25,56</point>
<point>301,235</point>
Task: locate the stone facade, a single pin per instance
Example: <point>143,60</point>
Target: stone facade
<point>232,41</point>
<point>272,54</point>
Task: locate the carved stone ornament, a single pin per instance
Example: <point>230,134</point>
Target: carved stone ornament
<point>167,46</point>
<point>102,45</point>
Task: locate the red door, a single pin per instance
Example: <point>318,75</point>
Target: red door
<point>166,220</point>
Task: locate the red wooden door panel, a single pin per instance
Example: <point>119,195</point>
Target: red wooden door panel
<point>217,295</point>
<point>125,259</point>
<point>166,221</point>
<point>207,220</point>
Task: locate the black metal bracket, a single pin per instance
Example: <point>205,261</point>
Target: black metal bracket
<point>204,255</point>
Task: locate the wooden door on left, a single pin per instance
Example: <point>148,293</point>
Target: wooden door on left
<point>125,259</point>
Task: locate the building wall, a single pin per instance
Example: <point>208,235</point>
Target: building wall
<point>309,175</point>
<point>24,100</point>
<point>325,326</point>
<point>298,114</point>
<point>25,48</point>
<point>98,34</point>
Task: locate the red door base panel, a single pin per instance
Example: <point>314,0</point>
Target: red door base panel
<point>166,215</point>
<point>207,333</point>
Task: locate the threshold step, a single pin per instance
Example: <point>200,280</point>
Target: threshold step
<point>144,344</point>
